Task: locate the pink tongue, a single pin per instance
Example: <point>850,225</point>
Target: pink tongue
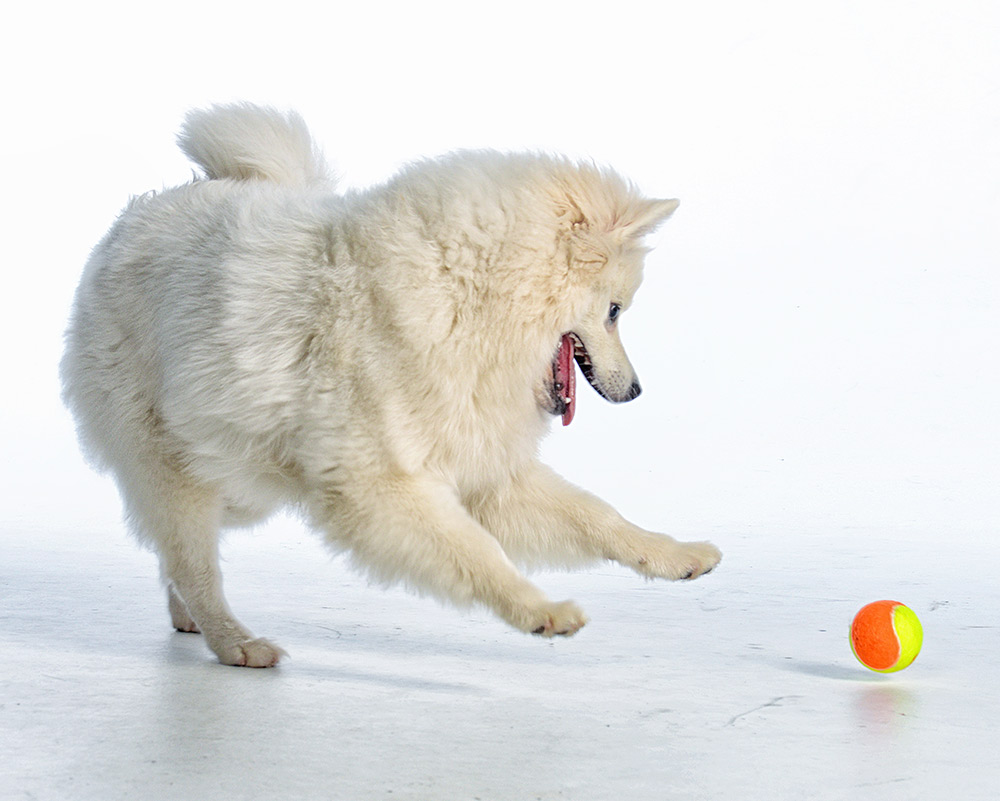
<point>566,375</point>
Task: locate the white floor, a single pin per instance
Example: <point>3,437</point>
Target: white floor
<point>740,685</point>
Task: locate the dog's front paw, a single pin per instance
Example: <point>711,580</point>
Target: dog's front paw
<point>669,559</point>
<point>563,619</point>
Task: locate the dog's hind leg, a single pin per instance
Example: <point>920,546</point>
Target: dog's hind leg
<point>180,519</point>
<point>413,529</point>
<point>179,615</point>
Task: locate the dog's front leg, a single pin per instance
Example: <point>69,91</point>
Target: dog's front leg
<point>413,530</point>
<point>540,518</point>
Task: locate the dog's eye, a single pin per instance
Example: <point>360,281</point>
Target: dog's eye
<point>613,312</point>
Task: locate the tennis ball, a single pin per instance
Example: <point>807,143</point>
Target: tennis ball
<point>886,636</point>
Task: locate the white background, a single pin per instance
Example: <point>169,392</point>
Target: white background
<point>817,340</point>
<point>817,335</point>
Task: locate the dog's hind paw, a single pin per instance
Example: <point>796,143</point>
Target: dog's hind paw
<point>179,616</point>
<point>258,653</point>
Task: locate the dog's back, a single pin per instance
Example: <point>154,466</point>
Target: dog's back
<point>167,284</point>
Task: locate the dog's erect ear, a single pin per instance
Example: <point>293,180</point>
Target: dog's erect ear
<point>647,217</point>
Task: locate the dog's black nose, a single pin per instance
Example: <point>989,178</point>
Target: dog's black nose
<point>634,391</point>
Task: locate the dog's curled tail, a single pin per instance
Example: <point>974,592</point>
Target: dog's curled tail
<point>243,142</point>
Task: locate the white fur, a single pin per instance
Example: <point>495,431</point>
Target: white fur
<point>382,360</point>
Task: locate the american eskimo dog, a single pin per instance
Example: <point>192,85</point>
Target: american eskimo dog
<point>383,360</point>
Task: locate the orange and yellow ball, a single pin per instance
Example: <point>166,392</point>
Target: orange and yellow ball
<point>886,636</point>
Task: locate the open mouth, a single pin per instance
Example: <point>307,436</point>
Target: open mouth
<point>616,386</point>
<point>563,392</point>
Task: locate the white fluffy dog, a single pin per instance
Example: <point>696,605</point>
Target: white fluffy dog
<point>385,361</point>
